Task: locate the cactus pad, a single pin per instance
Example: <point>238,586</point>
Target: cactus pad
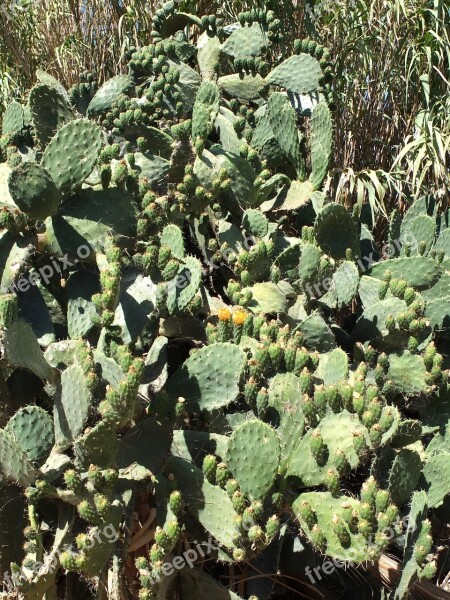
<point>299,74</point>
<point>209,378</point>
<point>32,428</point>
<point>253,457</point>
<point>71,155</point>
<point>33,190</point>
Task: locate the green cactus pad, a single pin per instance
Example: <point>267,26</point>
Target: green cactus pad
<point>420,272</point>
<point>72,404</point>
<point>245,89</point>
<point>326,507</point>
<point>208,55</point>
<point>205,111</point>
<point>157,141</point>
<point>404,475</point>
<point>317,334</point>
<point>443,242</point>
<point>372,323</point>
<point>71,155</point>
<point>308,268</point>
<point>346,282</point>
<point>172,237</point>
<point>22,350</point>
<point>14,462</point>
<point>97,446</point>
<point>299,74</point>
<point>153,167</point>
<point>283,121</point>
<point>185,284</point>
<point>321,142</point>
<point>133,447</point>
<point>193,446</point>
<point>209,378</point>
<point>81,286</point>
<point>89,219</point>
<point>333,367</point>
<point>13,119</point>
<point>420,229</point>
<point>407,373</point>
<point>437,478</point>
<point>32,428</point>
<point>229,139</point>
<point>33,190</point>
<point>107,94</point>
<point>245,42</point>
<point>297,195</point>
<point>437,312</point>
<point>15,252</point>
<point>50,110</point>
<point>337,432</point>
<point>335,231</point>
<point>255,223</point>
<point>51,81</point>
<point>207,503</point>
<point>253,457</point>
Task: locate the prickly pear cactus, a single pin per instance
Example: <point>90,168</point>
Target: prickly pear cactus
<point>211,365</point>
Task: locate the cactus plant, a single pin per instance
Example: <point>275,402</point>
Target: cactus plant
<point>224,367</point>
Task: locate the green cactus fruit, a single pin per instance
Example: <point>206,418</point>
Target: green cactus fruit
<point>231,487</point>
<point>382,500</point>
<point>9,310</point>
<point>309,409</point>
<point>262,401</point>
<point>289,356</point>
<point>376,435</point>
<point>95,476</point>
<point>238,501</point>
<point>88,512</point>
<point>428,572</point>
<point>222,474</point>
<point>359,443</point>
<point>272,527</point>
<point>307,513</point>
<point>209,468</point>
<point>318,446</point>
<point>162,539</point>
<point>359,403</point>
<point>176,503</point>
<point>318,538</point>
<point>73,481</point>
<point>365,528</point>
<point>320,399</point>
<point>332,482</point>
<point>341,462</point>
<point>251,391</point>
<point>68,561</point>
<point>340,529</point>
<point>369,491</point>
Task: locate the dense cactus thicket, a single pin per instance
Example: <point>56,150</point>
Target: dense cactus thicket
<point>201,351</point>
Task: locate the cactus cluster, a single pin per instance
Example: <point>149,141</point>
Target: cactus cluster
<point>196,342</point>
